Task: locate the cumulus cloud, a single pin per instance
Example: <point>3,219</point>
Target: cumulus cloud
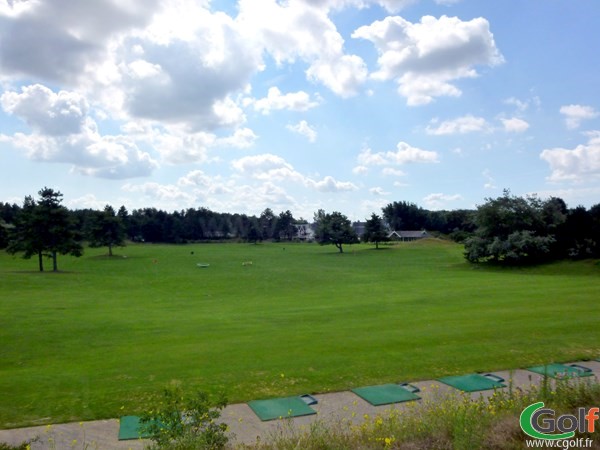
<point>182,148</point>
<point>293,101</point>
<point>161,193</point>
<point>439,200</point>
<point>425,58</point>
<point>46,112</point>
<point>580,164</point>
<point>330,184</point>
<point>515,125</point>
<point>304,129</point>
<point>63,132</point>
<point>268,167</point>
<point>296,30</point>
<point>58,40</point>
<point>378,191</point>
<point>575,114</point>
<point>460,125</point>
<point>241,138</point>
<point>404,154</point>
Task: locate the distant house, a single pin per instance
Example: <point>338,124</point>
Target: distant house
<point>304,232</point>
<point>359,228</point>
<point>406,236</point>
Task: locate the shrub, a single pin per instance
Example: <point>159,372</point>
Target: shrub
<point>180,421</point>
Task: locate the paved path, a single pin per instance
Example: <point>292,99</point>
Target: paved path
<point>244,425</point>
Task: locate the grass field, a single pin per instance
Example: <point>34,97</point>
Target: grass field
<point>96,340</point>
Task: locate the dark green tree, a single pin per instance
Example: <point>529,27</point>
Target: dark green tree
<point>267,223</point>
<point>334,228</point>
<point>45,228</point>
<point>375,230</point>
<point>107,230</point>
<point>515,229</point>
<point>284,227</point>
<point>26,236</point>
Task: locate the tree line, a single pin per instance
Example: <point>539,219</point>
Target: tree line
<point>509,228</point>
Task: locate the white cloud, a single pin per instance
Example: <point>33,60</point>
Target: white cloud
<point>87,201</point>
<point>330,184</point>
<point>404,154</point>
<point>183,148</point>
<point>425,58</point>
<point>575,114</point>
<point>304,129</point>
<point>439,200</point>
<point>489,180</point>
<point>343,74</point>
<point>297,30</point>
<point>523,105</point>
<point>194,178</point>
<point>580,164</point>
<point>378,191</point>
<point>460,125</point>
<point>360,170</point>
<point>59,40</point>
<point>293,101</point>
<point>46,112</point>
<point>64,133</point>
<point>515,125</point>
<point>267,167</point>
<point>241,138</point>
<point>389,171</point>
<point>160,193</point>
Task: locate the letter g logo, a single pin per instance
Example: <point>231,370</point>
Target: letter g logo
<point>531,427</point>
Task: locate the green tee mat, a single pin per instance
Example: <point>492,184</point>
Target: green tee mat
<point>280,408</point>
<point>386,394</point>
<point>130,428</point>
<point>562,371</point>
<point>474,382</point>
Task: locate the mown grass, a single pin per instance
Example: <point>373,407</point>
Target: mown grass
<point>97,339</point>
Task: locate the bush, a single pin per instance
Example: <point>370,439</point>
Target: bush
<point>180,421</point>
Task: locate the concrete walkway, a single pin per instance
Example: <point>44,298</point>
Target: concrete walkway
<point>244,425</point>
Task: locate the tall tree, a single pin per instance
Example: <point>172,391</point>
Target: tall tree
<point>284,227</point>
<point>334,228</point>
<point>45,228</point>
<point>515,229</point>
<point>26,236</point>
<point>375,230</point>
<point>107,230</point>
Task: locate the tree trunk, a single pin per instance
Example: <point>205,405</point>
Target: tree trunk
<point>110,250</point>
<point>41,261</point>
<point>339,246</point>
<point>54,262</point>
<point>376,245</point>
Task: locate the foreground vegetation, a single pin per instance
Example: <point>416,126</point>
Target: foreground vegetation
<point>97,339</point>
<point>444,422</point>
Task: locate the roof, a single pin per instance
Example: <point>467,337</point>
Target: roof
<point>410,234</point>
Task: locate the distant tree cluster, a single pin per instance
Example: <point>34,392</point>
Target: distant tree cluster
<point>522,230</point>
<point>508,228</point>
<point>457,224</point>
<point>45,228</point>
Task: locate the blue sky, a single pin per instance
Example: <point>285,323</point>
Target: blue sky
<point>344,105</point>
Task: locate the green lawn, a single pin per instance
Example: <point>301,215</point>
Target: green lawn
<point>95,340</point>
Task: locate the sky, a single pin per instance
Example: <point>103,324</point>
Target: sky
<point>300,105</point>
